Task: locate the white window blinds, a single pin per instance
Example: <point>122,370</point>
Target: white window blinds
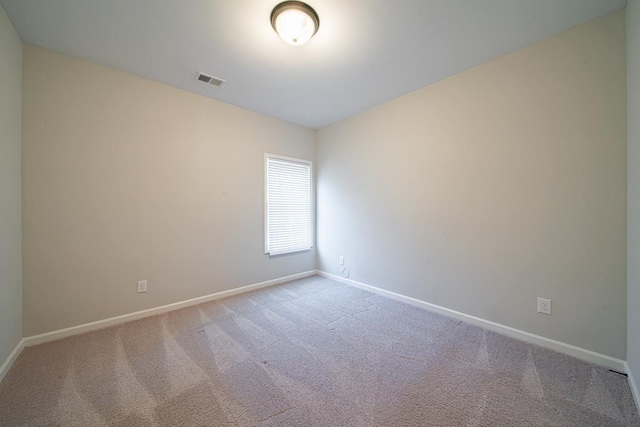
<point>287,205</point>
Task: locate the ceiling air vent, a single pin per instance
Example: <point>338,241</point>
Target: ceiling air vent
<point>213,81</point>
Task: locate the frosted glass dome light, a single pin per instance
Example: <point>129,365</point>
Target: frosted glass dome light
<point>295,22</point>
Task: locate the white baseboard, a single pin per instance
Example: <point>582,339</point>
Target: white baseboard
<point>571,350</point>
<point>105,323</point>
<point>12,358</point>
<point>580,353</point>
<point>633,385</point>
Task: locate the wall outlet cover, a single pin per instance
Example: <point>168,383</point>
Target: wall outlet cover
<point>544,306</point>
<point>142,286</point>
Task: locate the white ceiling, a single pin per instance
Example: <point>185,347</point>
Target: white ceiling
<point>366,52</point>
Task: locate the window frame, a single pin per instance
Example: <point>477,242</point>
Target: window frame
<point>312,233</point>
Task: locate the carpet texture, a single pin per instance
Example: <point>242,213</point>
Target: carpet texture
<point>307,353</point>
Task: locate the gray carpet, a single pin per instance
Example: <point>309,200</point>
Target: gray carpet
<point>307,353</point>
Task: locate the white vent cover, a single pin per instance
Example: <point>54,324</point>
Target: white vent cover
<point>213,81</point>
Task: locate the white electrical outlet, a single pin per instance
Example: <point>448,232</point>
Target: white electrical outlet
<point>142,286</point>
<point>544,306</point>
<point>341,260</point>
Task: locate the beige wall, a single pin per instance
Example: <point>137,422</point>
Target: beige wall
<point>126,179</point>
<point>10,179</point>
<point>633,177</point>
<point>494,187</point>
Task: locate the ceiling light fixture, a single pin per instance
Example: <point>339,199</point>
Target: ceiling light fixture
<point>295,22</point>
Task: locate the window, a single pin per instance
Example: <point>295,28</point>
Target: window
<point>288,222</point>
